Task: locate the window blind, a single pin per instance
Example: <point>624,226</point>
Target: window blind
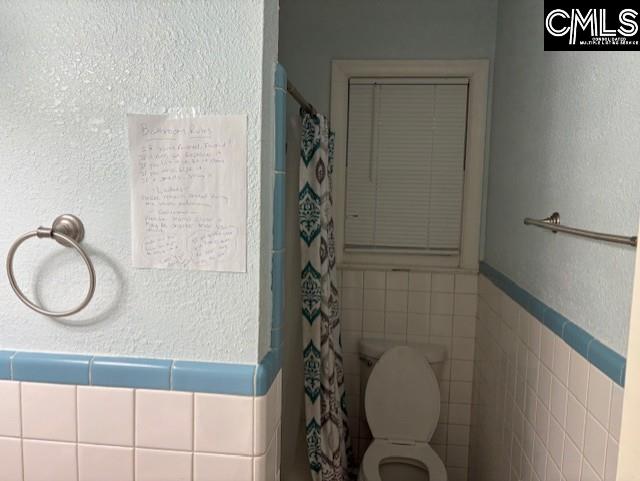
<point>405,165</point>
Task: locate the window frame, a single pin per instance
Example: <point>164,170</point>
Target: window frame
<point>477,72</point>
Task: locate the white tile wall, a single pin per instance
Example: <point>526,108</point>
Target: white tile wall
<point>105,416</point>
<point>267,414</point>
<point>10,409</point>
<point>49,461</point>
<point>223,424</point>
<point>438,307</point>
<point>162,465</point>
<point>219,467</point>
<point>164,420</point>
<point>49,411</point>
<point>105,463</point>
<point>11,459</point>
<point>51,432</point>
<point>540,411</point>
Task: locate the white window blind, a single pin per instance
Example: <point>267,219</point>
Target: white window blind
<point>405,165</point>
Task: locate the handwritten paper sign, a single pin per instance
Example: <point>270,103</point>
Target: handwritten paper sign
<point>189,192</point>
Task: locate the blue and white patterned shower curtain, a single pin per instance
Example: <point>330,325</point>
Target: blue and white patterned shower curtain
<point>327,430</point>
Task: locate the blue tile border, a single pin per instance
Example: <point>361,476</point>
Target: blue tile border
<point>280,77</point>
<point>281,131</point>
<point>54,368</point>
<point>277,290</point>
<point>610,363</point>
<point>267,371</point>
<point>140,373</point>
<point>5,364</point>
<point>212,377</point>
<point>577,338</point>
<point>277,338</point>
<point>604,358</point>
<point>279,220</point>
<point>269,367</point>
<point>131,372</point>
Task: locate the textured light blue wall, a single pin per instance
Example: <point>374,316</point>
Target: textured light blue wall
<point>70,71</point>
<point>312,33</point>
<point>564,137</point>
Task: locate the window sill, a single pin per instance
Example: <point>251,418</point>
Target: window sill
<point>395,267</point>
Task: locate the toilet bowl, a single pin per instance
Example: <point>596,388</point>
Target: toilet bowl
<point>402,407</point>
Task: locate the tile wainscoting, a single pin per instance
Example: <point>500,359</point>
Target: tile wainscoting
<point>436,307</point>
<point>58,432</point>
<point>547,397</point>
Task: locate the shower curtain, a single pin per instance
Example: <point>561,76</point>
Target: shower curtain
<point>327,430</point>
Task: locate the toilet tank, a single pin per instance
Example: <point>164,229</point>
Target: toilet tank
<point>372,349</point>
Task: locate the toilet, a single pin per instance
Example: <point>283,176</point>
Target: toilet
<point>402,407</point>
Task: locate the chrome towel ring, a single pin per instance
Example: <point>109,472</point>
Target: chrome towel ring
<point>68,231</point>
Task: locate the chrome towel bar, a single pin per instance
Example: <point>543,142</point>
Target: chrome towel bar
<point>552,223</point>
<point>68,231</point>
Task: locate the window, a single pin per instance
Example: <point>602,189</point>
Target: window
<point>409,155</point>
<point>405,165</point>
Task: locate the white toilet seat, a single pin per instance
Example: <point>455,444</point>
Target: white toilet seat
<point>380,451</point>
<point>402,398</point>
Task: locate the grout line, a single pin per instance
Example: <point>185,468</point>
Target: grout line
<point>91,370</point>
<point>135,415</point>
<point>77,441</point>
<point>135,461</point>
<point>173,362</point>
<point>193,434</point>
<point>584,430</point>
<point>253,422</point>
<point>13,378</point>
<point>255,377</point>
<point>253,468</point>
<point>588,351</point>
<point>56,441</point>
<point>21,426</point>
